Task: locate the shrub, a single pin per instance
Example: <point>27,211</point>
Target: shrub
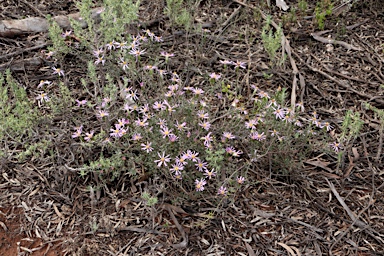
<point>131,115</point>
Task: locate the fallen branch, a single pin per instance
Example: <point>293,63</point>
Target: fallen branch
<point>13,28</point>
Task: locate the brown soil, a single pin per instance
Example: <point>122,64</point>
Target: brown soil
<point>15,241</point>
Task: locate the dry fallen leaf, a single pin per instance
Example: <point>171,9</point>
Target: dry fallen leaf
<point>282,5</point>
<point>289,249</point>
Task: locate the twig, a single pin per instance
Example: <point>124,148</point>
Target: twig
<point>349,77</point>
<point>380,148</point>
<point>268,215</point>
<point>141,230</point>
<point>220,30</point>
<point>344,85</point>
<point>350,27</point>
<point>295,72</point>
<point>132,229</point>
<point>286,47</point>
<point>248,69</point>
<point>359,223</point>
<point>356,221</point>
<point>319,38</point>
<point>184,243</point>
<point>22,51</point>
<point>312,228</point>
<point>33,8</point>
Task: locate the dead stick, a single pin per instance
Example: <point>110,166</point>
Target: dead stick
<point>379,150</point>
<point>358,223</point>
<point>344,85</point>
<point>222,27</point>
<point>184,243</point>
<point>333,41</point>
<point>33,8</point>
<point>13,28</point>
<point>6,56</point>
